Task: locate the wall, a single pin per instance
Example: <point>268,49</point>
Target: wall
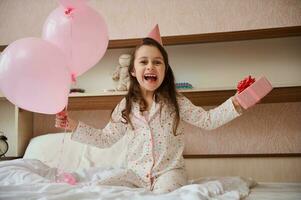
<point>260,169</point>
<point>7,125</point>
<point>25,18</point>
<point>264,129</point>
<point>215,65</point>
<point>24,130</point>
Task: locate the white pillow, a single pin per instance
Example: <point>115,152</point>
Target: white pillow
<point>58,150</point>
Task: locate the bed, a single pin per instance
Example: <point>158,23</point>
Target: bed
<point>33,176</point>
<point>275,191</point>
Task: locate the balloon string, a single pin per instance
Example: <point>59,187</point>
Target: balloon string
<point>68,12</point>
<point>71,47</point>
<point>61,152</point>
<point>73,78</point>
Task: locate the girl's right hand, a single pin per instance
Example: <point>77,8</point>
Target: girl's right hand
<point>64,122</point>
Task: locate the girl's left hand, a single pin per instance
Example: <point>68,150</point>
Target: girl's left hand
<point>236,104</point>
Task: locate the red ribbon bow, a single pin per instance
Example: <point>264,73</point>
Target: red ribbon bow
<point>243,84</point>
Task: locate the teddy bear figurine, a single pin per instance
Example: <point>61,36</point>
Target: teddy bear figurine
<point>121,73</point>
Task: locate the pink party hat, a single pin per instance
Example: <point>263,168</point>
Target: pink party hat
<point>155,34</point>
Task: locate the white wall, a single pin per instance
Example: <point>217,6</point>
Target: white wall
<point>216,65</point>
<point>135,18</point>
<point>7,125</point>
<point>211,65</point>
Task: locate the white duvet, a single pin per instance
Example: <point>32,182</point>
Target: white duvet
<point>31,179</point>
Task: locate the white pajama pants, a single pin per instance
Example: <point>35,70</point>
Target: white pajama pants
<point>164,183</point>
<point>170,181</point>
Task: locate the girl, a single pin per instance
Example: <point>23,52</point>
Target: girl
<point>151,115</point>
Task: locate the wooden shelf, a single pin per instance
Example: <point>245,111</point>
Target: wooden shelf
<point>199,98</point>
<point>2,47</point>
<point>211,37</point>
<point>274,155</point>
<point>10,158</point>
<point>215,37</point>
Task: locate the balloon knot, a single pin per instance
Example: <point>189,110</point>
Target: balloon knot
<point>73,77</point>
<point>68,11</point>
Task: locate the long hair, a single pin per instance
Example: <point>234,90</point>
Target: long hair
<point>166,91</point>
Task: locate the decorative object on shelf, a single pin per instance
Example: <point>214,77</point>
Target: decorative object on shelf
<point>108,90</point>
<point>74,88</point>
<point>3,144</point>
<point>121,73</point>
<point>183,85</point>
<point>77,90</point>
<point>250,91</point>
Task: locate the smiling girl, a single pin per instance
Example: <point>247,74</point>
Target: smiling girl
<point>151,115</point>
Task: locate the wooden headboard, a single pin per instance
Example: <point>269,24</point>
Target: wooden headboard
<point>264,129</point>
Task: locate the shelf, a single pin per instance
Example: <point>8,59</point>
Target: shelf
<point>274,155</point>
<point>215,37</point>
<point>211,37</point>
<point>10,158</point>
<point>212,97</point>
<point>199,98</point>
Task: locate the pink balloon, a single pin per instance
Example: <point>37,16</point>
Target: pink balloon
<point>72,3</point>
<point>82,35</point>
<point>34,76</point>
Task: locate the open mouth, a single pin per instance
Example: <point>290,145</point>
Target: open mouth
<point>150,77</point>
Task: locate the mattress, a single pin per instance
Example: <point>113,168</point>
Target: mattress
<point>275,191</point>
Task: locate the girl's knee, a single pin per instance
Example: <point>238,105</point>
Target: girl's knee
<point>161,189</point>
<point>170,181</point>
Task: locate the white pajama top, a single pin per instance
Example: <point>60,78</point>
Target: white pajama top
<point>153,149</point>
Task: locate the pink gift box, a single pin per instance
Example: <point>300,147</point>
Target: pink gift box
<point>252,94</point>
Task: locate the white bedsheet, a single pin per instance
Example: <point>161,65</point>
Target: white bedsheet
<point>275,191</point>
<point>31,179</point>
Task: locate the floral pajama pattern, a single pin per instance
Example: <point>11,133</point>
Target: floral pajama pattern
<point>154,158</point>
